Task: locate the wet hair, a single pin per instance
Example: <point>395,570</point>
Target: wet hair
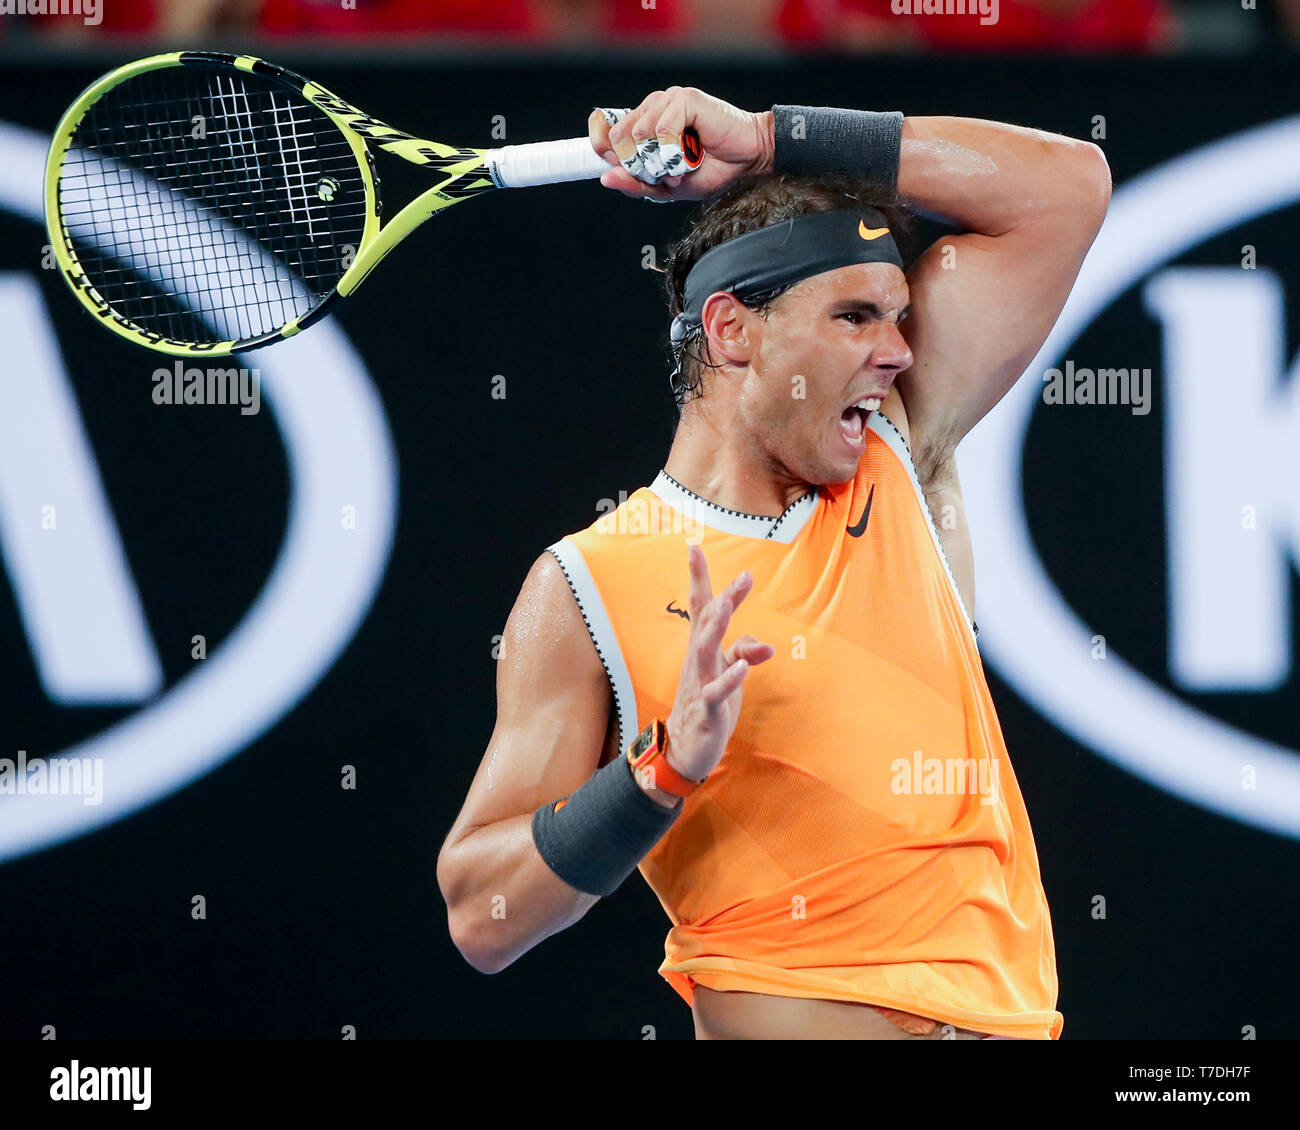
<point>747,205</point>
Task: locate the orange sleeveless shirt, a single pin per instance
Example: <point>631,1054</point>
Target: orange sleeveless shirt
<point>863,837</point>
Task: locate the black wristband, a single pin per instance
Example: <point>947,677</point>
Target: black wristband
<point>822,141</point>
<point>597,839</point>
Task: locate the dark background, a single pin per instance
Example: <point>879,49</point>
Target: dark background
<point>323,908</point>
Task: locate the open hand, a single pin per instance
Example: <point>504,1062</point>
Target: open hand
<point>707,706</point>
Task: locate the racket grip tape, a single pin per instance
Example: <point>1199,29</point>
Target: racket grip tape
<point>544,162</point>
<point>554,162</point>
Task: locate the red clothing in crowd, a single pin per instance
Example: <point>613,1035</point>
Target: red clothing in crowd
<point>329,17</point>
<point>516,18</point>
<point>512,19</point>
<point>1020,24</point>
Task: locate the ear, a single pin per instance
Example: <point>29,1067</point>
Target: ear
<point>730,327</point>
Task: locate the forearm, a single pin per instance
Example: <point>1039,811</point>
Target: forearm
<point>502,898</point>
<point>990,177</point>
<point>983,176</point>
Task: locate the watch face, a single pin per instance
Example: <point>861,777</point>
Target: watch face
<point>644,740</point>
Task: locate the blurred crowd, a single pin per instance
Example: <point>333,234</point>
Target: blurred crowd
<point>839,25</point>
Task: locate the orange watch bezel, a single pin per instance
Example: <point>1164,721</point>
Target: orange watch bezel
<point>653,743</point>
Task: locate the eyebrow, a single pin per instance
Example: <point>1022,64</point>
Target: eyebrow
<point>868,308</point>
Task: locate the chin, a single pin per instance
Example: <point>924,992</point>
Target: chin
<point>833,473</point>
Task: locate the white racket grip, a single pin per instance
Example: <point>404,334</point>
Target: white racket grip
<point>545,162</point>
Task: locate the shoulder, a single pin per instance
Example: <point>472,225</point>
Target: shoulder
<point>547,613</point>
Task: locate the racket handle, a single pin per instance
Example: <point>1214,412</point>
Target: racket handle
<point>552,162</point>
<point>545,162</point>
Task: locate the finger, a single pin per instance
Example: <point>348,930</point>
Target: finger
<point>724,604</point>
<point>617,177</point>
<point>671,133</point>
<point>647,116</point>
<point>709,628</point>
<point>717,691</point>
<point>646,136</point>
<point>742,582</point>
<point>625,146</point>
<point>708,636</point>
<point>750,650</point>
<point>648,160</point>
<point>622,129</point>
<point>735,592</point>
<point>598,132</point>
<point>672,120</point>
<point>740,588</point>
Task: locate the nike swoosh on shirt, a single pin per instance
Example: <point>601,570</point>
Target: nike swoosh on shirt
<point>858,530</point>
<point>870,233</point>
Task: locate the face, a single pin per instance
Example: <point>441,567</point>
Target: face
<point>830,342</point>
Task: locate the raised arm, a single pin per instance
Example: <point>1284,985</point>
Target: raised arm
<point>983,301</point>
<point>1028,204</point>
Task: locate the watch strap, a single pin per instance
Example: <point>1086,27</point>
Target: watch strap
<point>648,753</point>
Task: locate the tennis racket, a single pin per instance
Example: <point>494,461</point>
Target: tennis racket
<point>207,203</point>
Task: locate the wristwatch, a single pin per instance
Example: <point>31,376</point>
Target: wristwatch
<point>648,754</point>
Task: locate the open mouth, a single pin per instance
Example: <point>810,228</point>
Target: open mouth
<point>853,420</point>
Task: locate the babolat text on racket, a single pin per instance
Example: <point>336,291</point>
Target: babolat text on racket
<point>205,203</point>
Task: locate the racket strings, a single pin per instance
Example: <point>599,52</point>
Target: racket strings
<point>209,206</point>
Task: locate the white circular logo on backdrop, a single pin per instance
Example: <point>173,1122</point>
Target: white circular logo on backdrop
<point>340,455</point>
<point>1027,630</point>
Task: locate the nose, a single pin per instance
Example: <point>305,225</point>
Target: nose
<point>891,350</point>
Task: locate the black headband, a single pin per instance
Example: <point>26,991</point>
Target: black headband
<point>784,253</point>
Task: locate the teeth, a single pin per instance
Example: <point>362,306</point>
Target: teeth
<point>869,405</point>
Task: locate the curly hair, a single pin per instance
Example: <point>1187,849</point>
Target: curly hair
<point>747,205</point>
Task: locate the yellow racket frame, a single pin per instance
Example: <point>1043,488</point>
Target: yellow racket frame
<point>464,171</point>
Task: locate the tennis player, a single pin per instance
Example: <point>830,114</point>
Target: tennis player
<point>806,766</point>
